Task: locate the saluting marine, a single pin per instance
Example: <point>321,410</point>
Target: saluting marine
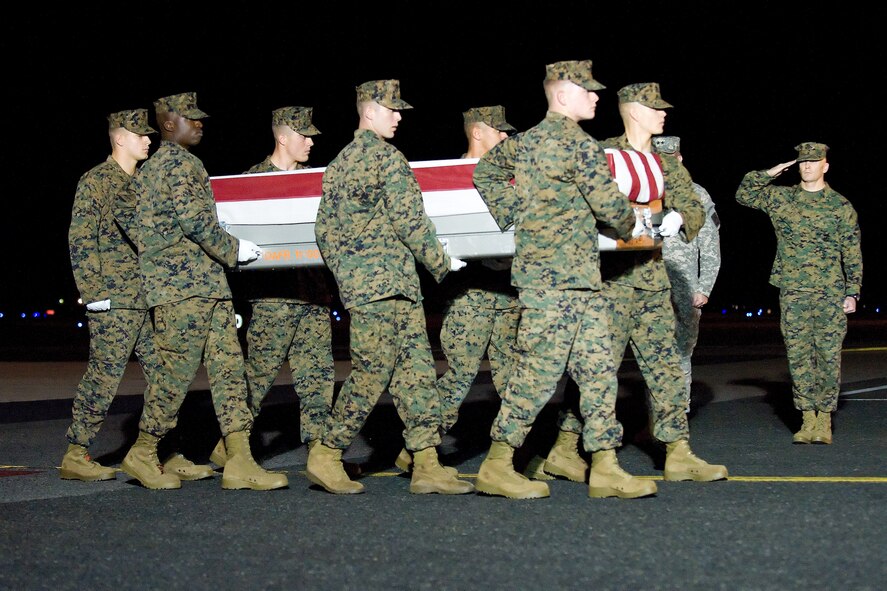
<point>818,270</point>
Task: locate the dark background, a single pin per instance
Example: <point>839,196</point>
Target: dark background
<point>749,81</point>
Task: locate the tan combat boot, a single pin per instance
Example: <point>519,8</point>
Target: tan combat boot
<point>219,454</point>
<point>682,464</point>
<point>822,432</point>
<point>185,469</point>
<point>535,469</point>
<point>77,465</point>
<point>325,469</point>
<point>142,463</point>
<point>430,477</point>
<point>404,461</point>
<point>607,479</point>
<point>805,434</point>
<point>498,477</point>
<point>242,471</point>
<point>564,460</point>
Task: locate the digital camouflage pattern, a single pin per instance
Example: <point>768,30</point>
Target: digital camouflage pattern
<point>113,336</point>
<point>297,118</point>
<point>811,151</point>
<point>818,263</point>
<point>644,269</point>
<point>301,334</point>
<point>105,266</point>
<point>183,251</point>
<point>638,295</point>
<point>813,325</point>
<point>556,240</point>
<point>104,262</point>
<point>471,328</point>
<point>645,93</point>
<point>817,235</point>
<point>187,332</point>
<point>135,120</point>
<point>372,230</point>
<point>493,116</point>
<point>371,224</point>
<point>185,104</point>
<point>553,183</point>
<point>389,351</point>
<point>645,319</point>
<point>576,71</point>
<point>384,92</point>
<point>290,321</point>
<point>692,268</point>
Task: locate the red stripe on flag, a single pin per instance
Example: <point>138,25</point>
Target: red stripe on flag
<point>251,187</point>
<point>635,179</point>
<point>445,178</point>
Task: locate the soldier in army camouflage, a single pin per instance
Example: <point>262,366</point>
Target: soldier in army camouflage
<point>818,270</point>
<point>553,183</point>
<point>483,311</point>
<point>692,267</point>
<point>105,266</point>
<point>638,295</point>
<point>290,319</point>
<point>183,253</point>
<point>372,229</point>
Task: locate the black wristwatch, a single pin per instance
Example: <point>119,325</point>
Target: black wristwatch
<point>855,296</point>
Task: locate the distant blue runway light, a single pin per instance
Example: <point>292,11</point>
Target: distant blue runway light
<point>24,315</point>
<point>80,325</point>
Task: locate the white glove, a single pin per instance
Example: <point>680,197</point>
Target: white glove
<point>248,251</point>
<point>671,224</point>
<point>639,225</point>
<point>456,264</point>
<point>100,306</point>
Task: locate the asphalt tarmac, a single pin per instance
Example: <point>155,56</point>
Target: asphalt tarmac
<point>788,517</point>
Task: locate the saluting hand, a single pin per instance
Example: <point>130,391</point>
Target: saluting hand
<point>780,168</point>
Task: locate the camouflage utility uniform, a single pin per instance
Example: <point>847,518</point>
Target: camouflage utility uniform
<point>818,263</point>
<point>561,188</point>
<point>638,296</point>
<point>183,253</point>
<point>692,267</point>
<point>372,228</point>
<point>290,321</point>
<point>105,266</point>
<point>482,317</point>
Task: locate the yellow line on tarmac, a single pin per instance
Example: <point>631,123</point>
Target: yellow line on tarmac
<point>853,479</point>
<point>865,349</point>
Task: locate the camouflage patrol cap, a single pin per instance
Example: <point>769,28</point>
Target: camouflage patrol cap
<point>384,92</point>
<point>645,93</point>
<point>298,118</point>
<point>185,104</point>
<point>667,144</point>
<point>492,116</point>
<point>576,71</point>
<point>809,151</point>
<point>135,120</point>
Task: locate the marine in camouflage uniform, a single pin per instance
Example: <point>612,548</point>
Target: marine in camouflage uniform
<point>105,266</point>
<point>692,267</point>
<point>553,183</point>
<point>372,229</point>
<point>818,270</point>
<point>290,317</point>
<point>638,294</point>
<point>183,253</point>
<point>483,312</point>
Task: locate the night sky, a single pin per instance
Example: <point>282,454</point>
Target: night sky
<point>748,81</point>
